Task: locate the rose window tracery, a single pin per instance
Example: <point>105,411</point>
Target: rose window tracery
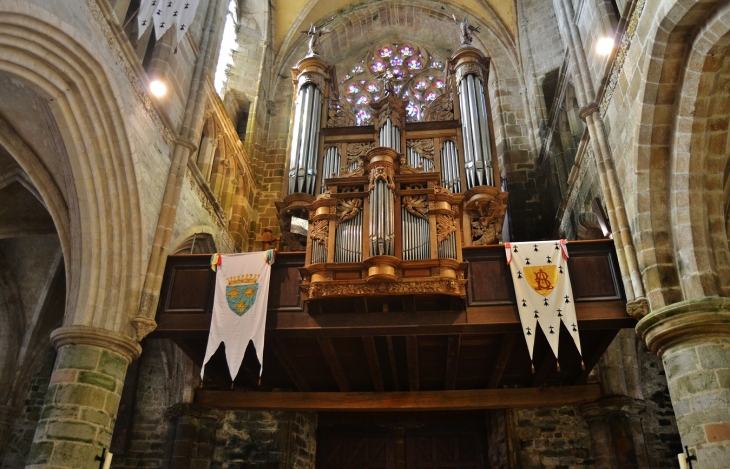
<point>418,75</point>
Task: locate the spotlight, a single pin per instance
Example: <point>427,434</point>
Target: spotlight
<point>604,46</point>
<point>158,88</point>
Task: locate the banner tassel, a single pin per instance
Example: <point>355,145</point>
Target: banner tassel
<point>201,385</point>
<point>232,386</point>
<point>582,365</point>
<point>259,380</point>
<point>533,367</point>
<point>558,363</point>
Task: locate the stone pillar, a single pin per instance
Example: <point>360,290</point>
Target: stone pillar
<point>617,439</point>
<point>8,415</point>
<point>83,397</point>
<point>190,436</point>
<point>693,339</point>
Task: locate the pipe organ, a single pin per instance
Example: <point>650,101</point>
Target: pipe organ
<point>390,216</point>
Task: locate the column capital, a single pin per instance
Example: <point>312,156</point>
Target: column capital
<point>696,320</point>
<point>97,337</point>
<point>587,110</point>
<point>611,405</point>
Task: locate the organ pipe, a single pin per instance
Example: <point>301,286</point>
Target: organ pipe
<point>330,165</point>
<point>475,129</point>
<point>305,140</point>
<point>450,177</point>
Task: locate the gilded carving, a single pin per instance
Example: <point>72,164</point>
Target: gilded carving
<point>405,168</point>
<point>468,69</point>
<point>446,286</point>
<point>339,115</point>
<point>487,220</point>
<point>315,78</point>
<point>423,146</point>
<point>445,225</point>
<point>348,209</point>
<point>416,205</point>
<point>385,173</point>
<point>440,109</point>
<point>319,231</point>
<point>356,151</point>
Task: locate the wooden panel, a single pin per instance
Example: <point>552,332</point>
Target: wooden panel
<point>439,451</point>
<point>489,283</point>
<point>188,290</point>
<point>599,284</point>
<point>406,401</point>
<point>284,291</point>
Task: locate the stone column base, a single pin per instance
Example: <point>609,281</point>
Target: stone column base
<point>616,434</point>
<point>190,436</point>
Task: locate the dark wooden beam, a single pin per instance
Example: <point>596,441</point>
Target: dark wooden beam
<point>393,367</point>
<point>412,352</point>
<point>373,362</point>
<point>334,362</point>
<point>452,361</point>
<point>505,351</point>
<point>405,401</point>
<point>289,367</point>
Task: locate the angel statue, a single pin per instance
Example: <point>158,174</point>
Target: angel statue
<point>387,79</point>
<point>466,30</point>
<point>314,34</point>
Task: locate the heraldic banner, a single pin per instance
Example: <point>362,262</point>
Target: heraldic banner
<point>239,307</point>
<point>543,292</point>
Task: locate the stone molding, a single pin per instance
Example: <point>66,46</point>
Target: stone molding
<point>697,320</point>
<point>94,336</point>
<point>587,110</point>
<point>186,409</point>
<point>612,405</point>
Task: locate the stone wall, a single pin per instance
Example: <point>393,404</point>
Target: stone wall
<point>266,440</point>
<point>21,435</point>
<point>658,421</point>
<point>551,438</point>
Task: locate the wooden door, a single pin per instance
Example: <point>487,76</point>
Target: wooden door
<point>355,452</point>
<point>444,451</point>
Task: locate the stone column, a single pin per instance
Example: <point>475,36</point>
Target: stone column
<point>83,397</point>
<point>190,436</point>
<point>693,339</point>
<point>617,438</point>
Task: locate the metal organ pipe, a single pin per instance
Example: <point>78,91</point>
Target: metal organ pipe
<point>330,165</point>
<point>477,145</point>
<point>450,177</point>
<point>305,140</point>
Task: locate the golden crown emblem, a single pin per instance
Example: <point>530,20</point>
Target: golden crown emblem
<point>242,279</point>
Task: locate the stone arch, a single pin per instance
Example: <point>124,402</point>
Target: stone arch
<point>653,234</point>
<point>199,238</point>
<point>698,160</point>
<point>104,261</point>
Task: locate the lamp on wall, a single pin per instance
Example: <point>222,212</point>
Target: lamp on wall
<point>604,46</point>
<point>158,88</point>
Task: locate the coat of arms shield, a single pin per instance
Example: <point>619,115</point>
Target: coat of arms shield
<point>241,297</point>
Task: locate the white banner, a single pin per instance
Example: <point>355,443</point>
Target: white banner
<point>239,307</point>
<point>166,14</point>
<point>543,292</point>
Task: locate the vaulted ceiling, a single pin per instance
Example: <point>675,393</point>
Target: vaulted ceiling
<point>292,16</point>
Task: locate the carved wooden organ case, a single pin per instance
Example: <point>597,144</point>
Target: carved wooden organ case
<point>390,205</point>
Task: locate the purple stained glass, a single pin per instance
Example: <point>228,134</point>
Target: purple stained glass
<point>352,89</point>
<point>372,88</point>
<point>438,84</point>
<point>397,73</point>
<point>407,50</point>
<point>362,116</point>
<point>357,69</point>
<point>378,67</point>
<point>437,64</point>
<point>421,85</point>
<point>397,88</point>
<point>412,110</point>
<point>362,100</point>
<point>430,96</point>
<point>385,52</point>
<point>414,64</point>
<point>396,61</point>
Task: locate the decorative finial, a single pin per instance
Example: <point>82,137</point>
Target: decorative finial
<point>387,79</point>
<point>466,29</point>
<point>315,32</point>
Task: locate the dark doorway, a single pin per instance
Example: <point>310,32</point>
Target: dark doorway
<point>393,441</point>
